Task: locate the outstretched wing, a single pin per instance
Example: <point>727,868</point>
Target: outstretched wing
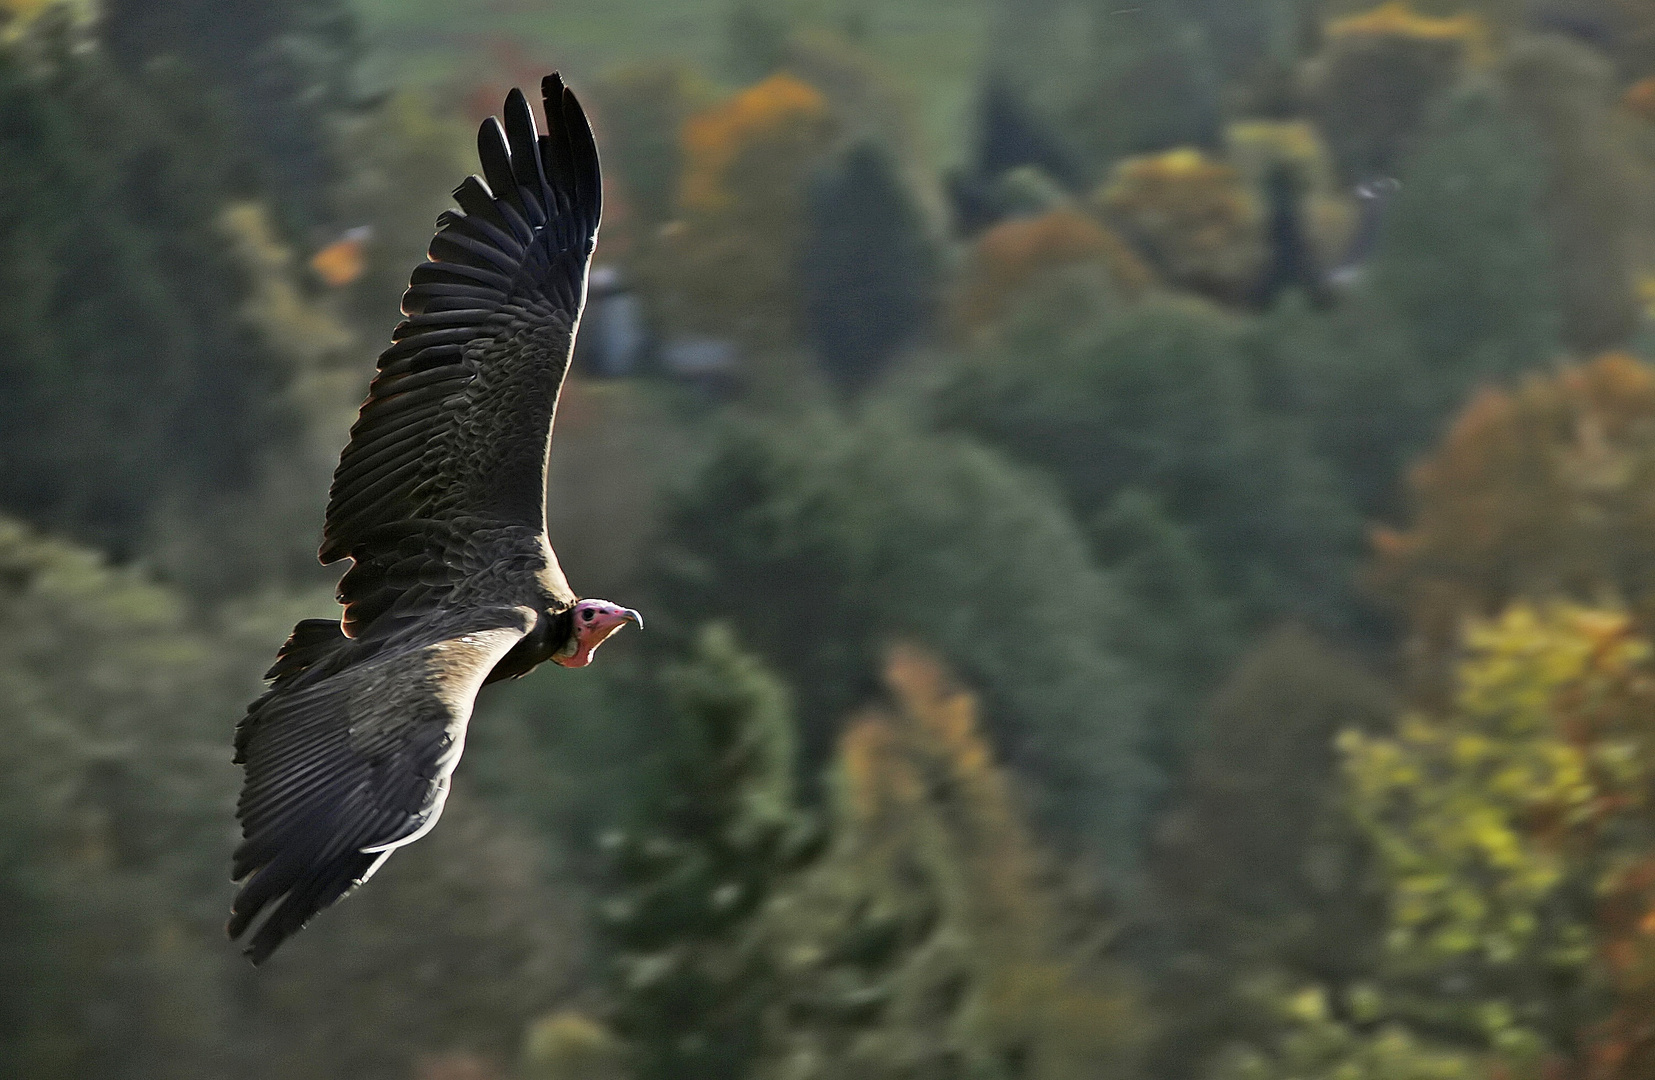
<point>345,768</point>
<point>451,443</point>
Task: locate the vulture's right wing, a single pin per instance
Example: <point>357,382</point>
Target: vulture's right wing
<point>446,466</point>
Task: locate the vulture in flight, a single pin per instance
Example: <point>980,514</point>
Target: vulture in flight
<point>439,502</point>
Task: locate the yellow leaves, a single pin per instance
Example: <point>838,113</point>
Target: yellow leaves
<point>16,16</point>
<point>1197,215</point>
<point>571,1046</point>
<point>1490,815</point>
<point>1308,1006</point>
<point>1396,19</point>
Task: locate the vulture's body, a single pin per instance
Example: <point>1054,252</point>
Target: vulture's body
<point>439,502</point>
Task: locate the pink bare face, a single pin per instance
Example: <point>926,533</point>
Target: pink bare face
<point>595,620</point>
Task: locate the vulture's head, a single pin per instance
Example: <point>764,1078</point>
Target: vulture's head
<point>593,622</point>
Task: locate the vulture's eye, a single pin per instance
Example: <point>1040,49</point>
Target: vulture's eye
<point>587,615</point>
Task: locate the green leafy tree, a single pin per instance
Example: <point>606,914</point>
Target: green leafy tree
<point>111,823</point>
<point>1357,381</point>
<point>1188,630</point>
<point>822,539</point>
<point>1163,397</point>
<point>1564,90</point>
<point>287,68</point>
<point>1111,86</point>
<point>1465,258</point>
<point>134,384</point>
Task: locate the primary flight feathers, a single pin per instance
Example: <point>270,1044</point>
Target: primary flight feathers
<point>439,501</point>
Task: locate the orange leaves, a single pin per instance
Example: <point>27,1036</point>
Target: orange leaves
<point>930,816</point>
<point>1016,252</point>
<point>342,262</point>
<point>779,115</point>
<point>1545,491</point>
<point>1639,98</point>
<point>727,267</point>
<point>946,714</point>
<point>921,773</point>
<point>893,758</point>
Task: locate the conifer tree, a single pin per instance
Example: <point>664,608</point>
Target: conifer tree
<point>691,976</point>
<point>867,269</point>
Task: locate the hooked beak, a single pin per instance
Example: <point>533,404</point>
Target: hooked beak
<point>595,621</point>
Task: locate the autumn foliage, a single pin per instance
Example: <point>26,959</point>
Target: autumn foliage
<point>943,939</point>
<point>1545,490</point>
<point>1018,252</point>
<point>1201,224</point>
<point>1515,829</point>
<point>1378,75</point>
<point>779,116</point>
<point>727,264</point>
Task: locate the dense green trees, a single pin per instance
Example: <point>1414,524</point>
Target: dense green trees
<point>824,539</point>
<point>287,68</point>
<point>1160,398</point>
<point>120,337</point>
<point>1466,260</point>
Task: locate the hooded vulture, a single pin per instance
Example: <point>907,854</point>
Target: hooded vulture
<point>439,503</point>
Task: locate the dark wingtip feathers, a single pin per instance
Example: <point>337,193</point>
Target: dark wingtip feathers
<point>298,897</point>
<point>571,152</point>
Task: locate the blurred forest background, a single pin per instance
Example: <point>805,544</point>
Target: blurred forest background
<point>1145,511</point>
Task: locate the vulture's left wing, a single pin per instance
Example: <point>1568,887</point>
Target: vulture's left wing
<point>343,770</point>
